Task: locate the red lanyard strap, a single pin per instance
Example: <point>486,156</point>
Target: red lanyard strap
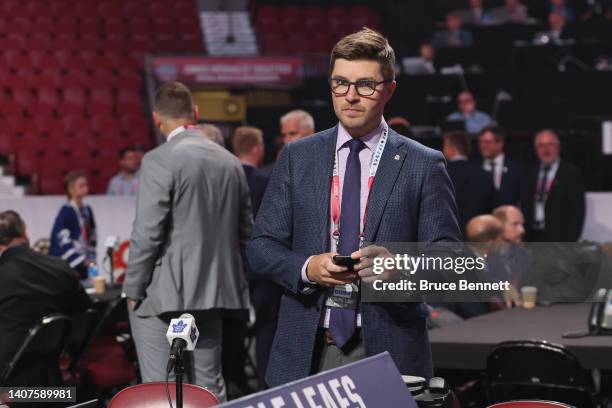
<point>335,187</point>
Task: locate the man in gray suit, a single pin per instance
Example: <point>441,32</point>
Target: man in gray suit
<point>193,215</point>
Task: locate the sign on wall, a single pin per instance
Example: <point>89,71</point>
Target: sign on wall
<point>278,72</point>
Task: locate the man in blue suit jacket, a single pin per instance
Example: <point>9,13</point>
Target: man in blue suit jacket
<point>410,200</point>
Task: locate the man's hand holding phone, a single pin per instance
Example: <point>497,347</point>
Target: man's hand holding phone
<point>364,267</point>
<point>322,270</point>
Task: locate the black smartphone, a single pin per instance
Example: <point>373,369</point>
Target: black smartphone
<point>345,260</point>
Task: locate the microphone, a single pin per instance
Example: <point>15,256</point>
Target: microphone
<point>111,244</point>
<point>182,334</point>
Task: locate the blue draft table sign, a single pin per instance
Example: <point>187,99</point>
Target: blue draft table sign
<point>373,382</point>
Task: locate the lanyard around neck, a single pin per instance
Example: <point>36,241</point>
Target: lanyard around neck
<point>335,189</point>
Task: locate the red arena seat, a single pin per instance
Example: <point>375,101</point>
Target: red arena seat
<point>153,394</point>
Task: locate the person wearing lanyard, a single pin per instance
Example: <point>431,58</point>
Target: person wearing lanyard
<point>358,181</point>
<point>73,236</point>
<point>553,198</point>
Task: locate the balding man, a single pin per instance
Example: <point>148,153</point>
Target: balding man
<point>553,200</point>
<point>485,237</point>
<point>483,233</point>
<point>295,125</point>
<point>513,223</point>
<point>512,261</point>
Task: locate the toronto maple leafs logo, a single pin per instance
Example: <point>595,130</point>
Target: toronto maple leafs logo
<point>178,327</point>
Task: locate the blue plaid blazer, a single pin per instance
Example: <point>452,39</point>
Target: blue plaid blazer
<point>411,200</point>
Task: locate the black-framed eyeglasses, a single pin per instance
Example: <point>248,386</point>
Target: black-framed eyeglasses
<point>364,87</point>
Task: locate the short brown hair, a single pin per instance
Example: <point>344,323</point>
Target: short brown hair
<point>11,227</point>
<point>245,138</point>
<point>369,45</point>
<point>497,131</point>
<point>70,178</point>
<point>460,140</point>
<point>173,100</point>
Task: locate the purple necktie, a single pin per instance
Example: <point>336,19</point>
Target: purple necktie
<point>342,322</point>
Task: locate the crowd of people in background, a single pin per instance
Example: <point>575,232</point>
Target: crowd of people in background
<point>557,28</point>
<point>560,13</point>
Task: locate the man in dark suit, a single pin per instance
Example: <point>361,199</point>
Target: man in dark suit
<point>265,294</point>
<point>248,145</point>
<point>474,190</point>
<point>314,207</point>
<point>506,173</point>
<point>32,286</point>
<point>553,199</point>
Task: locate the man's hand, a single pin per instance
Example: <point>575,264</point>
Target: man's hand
<point>512,296</point>
<point>131,303</point>
<point>322,270</point>
<point>366,261</point>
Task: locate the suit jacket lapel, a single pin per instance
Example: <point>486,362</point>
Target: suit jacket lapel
<point>505,175</point>
<point>322,173</point>
<point>388,170</point>
<point>558,174</point>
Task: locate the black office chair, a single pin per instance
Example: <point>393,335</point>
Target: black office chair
<point>530,369</point>
<point>84,328</point>
<point>37,360</point>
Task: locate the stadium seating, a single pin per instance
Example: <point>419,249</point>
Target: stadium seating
<point>309,29</point>
<point>65,64</point>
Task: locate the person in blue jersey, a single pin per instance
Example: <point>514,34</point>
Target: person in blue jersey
<point>73,237</point>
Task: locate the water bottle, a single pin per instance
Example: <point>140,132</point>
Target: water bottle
<point>92,270</point>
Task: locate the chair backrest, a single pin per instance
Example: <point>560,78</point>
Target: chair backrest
<point>539,370</point>
<point>153,395</point>
<point>530,404</point>
<point>39,352</point>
